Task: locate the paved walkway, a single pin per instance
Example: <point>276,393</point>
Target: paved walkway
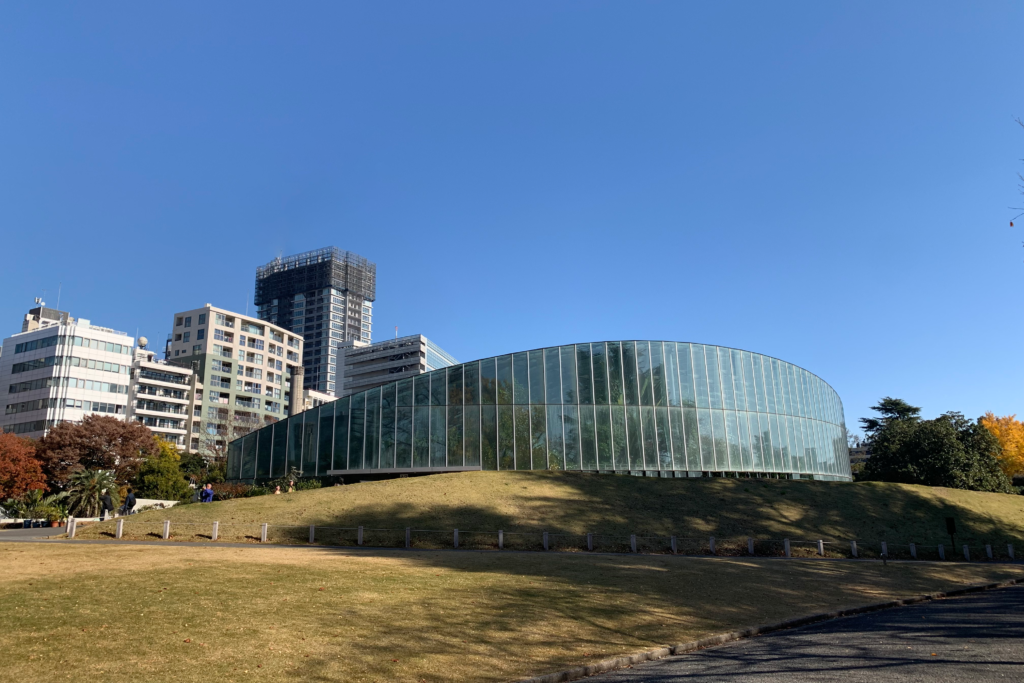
<point>977,638</point>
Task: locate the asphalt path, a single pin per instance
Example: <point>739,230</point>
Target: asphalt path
<point>29,534</point>
<point>977,638</point>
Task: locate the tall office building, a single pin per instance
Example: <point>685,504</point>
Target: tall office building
<point>325,295</point>
<point>61,370</point>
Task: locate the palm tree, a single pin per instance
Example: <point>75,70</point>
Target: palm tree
<point>86,487</point>
<point>33,504</point>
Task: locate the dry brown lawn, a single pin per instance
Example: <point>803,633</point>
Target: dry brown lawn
<point>180,612</point>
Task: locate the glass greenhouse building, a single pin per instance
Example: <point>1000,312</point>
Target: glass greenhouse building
<point>633,407</point>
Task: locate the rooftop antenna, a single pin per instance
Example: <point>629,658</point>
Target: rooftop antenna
<point>39,300</point>
<point>396,331</point>
<point>59,285</point>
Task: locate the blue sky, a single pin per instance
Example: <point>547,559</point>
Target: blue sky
<point>827,183</point>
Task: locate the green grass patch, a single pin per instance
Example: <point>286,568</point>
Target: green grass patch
<point>180,613</point>
<point>568,506</point>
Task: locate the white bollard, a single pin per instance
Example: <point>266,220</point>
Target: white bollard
<point>359,536</point>
<point>1009,550</point>
<point>71,527</point>
<point>501,539</point>
<point>821,547</point>
<point>675,545</point>
<point>632,542</point>
<point>216,531</point>
<point>967,553</point>
<point>590,541</point>
<point>263,533</point>
<point>711,544</point>
<point>988,551</point>
<point>853,548</point>
<point>120,528</point>
<point>785,545</point>
<point>167,529</point>
<point>545,539</point>
<point>942,552</point>
<point>456,539</point>
<point>750,545</point>
<point>312,533</point>
<point>913,551</point>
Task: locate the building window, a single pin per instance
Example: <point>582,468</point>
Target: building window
<point>177,337</point>
<point>186,337</point>
<point>188,321</point>
<point>202,318</point>
<point>178,321</point>
<point>196,348</point>
<point>200,334</point>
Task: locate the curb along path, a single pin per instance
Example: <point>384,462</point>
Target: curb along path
<point>606,665</point>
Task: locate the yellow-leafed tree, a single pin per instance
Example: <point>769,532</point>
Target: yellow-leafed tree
<point>1010,432</point>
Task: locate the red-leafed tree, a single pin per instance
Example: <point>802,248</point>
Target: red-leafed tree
<point>20,471</point>
<point>96,443</point>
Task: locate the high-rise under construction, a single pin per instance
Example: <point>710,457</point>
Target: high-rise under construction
<point>326,295</point>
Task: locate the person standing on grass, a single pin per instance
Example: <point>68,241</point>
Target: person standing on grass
<point>291,486</point>
<point>129,503</point>
<point>207,495</point>
<point>106,505</point>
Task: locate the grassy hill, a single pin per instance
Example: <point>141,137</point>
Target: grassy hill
<point>609,505</point>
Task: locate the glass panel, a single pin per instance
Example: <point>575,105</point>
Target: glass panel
<point>721,445</point>
<point>505,380</point>
<point>555,455</point>
<point>341,413</point>
<point>540,439</point>
<point>629,376</point>
<point>568,374</point>
<point>294,443</point>
<point>707,440</point>
<point>438,431</point>
<point>455,386</point>
<point>769,385</point>
<point>421,437</point>
<point>387,433</point>
<point>744,441</point>
<point>488,382</point>
<point>355,432</point>
<point>615,395</point>
<point>421,390</point>
<point>733,437</point>
<point>537,381</point>
<point>794,391</point>
<point>588,441</point>
<point>438,387</point>
<point>371,452</point>
<point>248,465</point>
<point>603,421</point>
<point>523,445</point>
<point>471,383</point>
<point>472,436</point>
<point>323,456</point>
<point>506,437</point>
<point>571,431</point>
<point>780,387</point>
<point>553,373</point>
<point>672,375</point>
<point>762,405</point>
<point>725,366</point>
<point>657,372</point>
<point>748,382</point>
<point>521,379</point>
<point>600,359</point>
<point>405,392</point>
<point>686,385</point>
<point>650,438</point>
<point>455,441</point>
<point>644,366</point>
<point>620,448</point>
<point>714,381</point>
<point>776,441</point>
<point>277,462</point>
<point>737,378</point>
<point>700,376</point>
<point>675,417</point>
<point>264,448</point>
<point>664,444</point>
<point>489,437</point>
<point>403,437</point>
<point>759,447</point>
<point>584,374</point>
<point>693,462</point>
<point>634,436</point>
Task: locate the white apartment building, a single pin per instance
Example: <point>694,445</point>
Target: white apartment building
<point>62,372</point>
<point>166,398</point>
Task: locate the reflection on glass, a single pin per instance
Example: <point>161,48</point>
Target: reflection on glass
<point>554,429</point>
<point>523,445</point>
<point>248,465</point>
<point>488,382</point>
<point>686,385</point>
<point>650,438</point>
<point>721,447</point>
<point>629,379</point>
<point>620,446</point>
<point>506,438</point>
<point>405,392</point>
<point>505,380</point>
<point>725,366</point>
<point>280,455</point>
<point>421,437</point>
<point>489,437</point>
<point>326,432</point>
<point>603,420</point>
<point>403,437</point>
<point>341,413</point>
<point>600,373</point>
<point>520,379</point>
<point>421,390</point>
<point>634,437</point>
<point>744,441</point>
<point>471,383</point>
<point>672,375</point>
<point>355,432</point>
<point>553,373</point>
<point>438,387</point>
<point>693,461</point>
<point>769,384</point>
<point>700,376</point>
<point>371,453</point>
<point>537,378</point>
<point>675,417</point>
<point>664,442</point>
<point>584,374</point>
<point>588,440</point>
<point>455,386</point>
<point>658,373</point>
<point>568,354</point>
<point>438,431</point>
<point>762,405</point>
<point>616,395</point>
<point>732,436</point>
<point>455,440</point>
<point>472,436</point>
<point>295,442</point>
<point>643,363</point>
<point>571,434</point>
<point>540,439</point>
<point>264,448</point>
